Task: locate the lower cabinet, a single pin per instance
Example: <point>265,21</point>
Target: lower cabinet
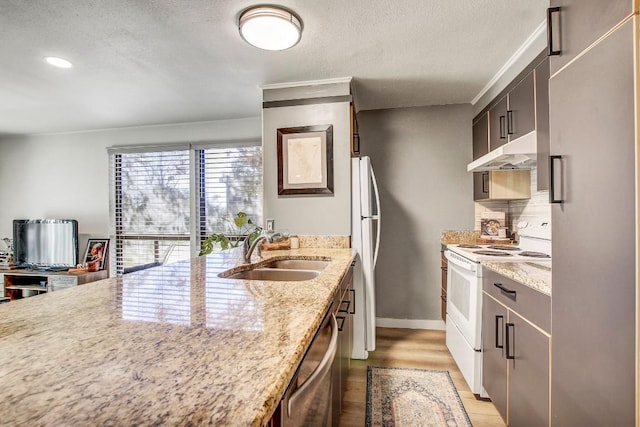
<point>17,284</point>
<point>344,306</point>
<point>515,357</point>
<point>494,367</point>
<point>528,374</point>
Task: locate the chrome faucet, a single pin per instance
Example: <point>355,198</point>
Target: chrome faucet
<point>247,249</point>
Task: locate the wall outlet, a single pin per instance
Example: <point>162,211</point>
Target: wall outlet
<point>270,224</point>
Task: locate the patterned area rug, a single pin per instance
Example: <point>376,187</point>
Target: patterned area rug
<point>401,397</point>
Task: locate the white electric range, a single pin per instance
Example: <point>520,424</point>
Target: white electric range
<point>464,292</point>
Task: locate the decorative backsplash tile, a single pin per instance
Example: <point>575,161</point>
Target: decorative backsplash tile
<point>535,209</point>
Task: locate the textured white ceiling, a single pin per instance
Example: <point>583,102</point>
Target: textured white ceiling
<point>172,61</point>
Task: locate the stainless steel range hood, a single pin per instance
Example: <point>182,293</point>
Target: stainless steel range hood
<point>517,154</point>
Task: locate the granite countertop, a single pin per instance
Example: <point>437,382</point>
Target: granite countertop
<point>170,345</point>
<point>450,237</point>
<point>535,274</point>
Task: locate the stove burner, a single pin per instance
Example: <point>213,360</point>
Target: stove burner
<point>534,254</point>
<point>492,253</point>
<point>504,248</point>
<point>469,246</point>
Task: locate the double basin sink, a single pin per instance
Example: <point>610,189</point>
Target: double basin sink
<point>290,270</point>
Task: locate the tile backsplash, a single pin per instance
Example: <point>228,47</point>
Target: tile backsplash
<point>535,209</point>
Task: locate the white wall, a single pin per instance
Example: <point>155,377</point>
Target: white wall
<point>309,214</point>
<point>66,175</point>
<point>420,157</point>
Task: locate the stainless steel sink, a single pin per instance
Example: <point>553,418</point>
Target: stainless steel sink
<point>298,264</point>
<point>289,270</point>
<point>275,274</point>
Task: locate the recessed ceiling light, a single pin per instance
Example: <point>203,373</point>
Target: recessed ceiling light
<point>270,27</point>
<point>58,62</point>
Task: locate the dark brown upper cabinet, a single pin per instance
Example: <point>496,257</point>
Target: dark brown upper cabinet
<point>481,136</point>
<point>521,115</point>
<point>498,124</point>
<point>575,24</point>
<point>520,109</point>
<point>514,115</point>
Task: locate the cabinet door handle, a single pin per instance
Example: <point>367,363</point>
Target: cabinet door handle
<point>509,326</point>
<point>552,179</point>
<point>509,122</point>
<point>550,50</point>
<point>505,290</point>
<point>344,306</point>
<point>498,328</point>
<point>353,300</point>
<point>502,133</point>
<point>485,178</point>
<point>341,319</point>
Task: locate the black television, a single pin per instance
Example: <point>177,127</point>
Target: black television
<point>45,244</point>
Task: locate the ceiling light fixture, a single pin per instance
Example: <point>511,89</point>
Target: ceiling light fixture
<point>58,62</point>
<point>270,27</point>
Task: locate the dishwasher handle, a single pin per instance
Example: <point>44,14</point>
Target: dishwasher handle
<point>319,372</point>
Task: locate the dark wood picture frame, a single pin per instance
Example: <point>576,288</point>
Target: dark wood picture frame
<point>96,260</point>
<point>305,160</point>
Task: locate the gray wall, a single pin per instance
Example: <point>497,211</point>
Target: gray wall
<point>419,156</point>
<point>309,214</point>
<point>67,175</point>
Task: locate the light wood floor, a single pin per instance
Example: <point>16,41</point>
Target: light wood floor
<point>411,348</point>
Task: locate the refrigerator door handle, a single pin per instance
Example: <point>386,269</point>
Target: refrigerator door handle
<point>378,217</point>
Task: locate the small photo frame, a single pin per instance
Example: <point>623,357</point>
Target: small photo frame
<point>96,254</point>
<point>305,160</point>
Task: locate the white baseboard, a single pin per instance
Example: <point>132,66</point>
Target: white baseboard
<point>437,325</point>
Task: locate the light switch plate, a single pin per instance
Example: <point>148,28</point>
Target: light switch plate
<point>270,224</point>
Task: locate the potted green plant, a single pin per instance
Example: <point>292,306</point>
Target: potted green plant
<point>239,228</point>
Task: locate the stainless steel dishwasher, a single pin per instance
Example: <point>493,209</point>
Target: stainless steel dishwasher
<point>307,401</point>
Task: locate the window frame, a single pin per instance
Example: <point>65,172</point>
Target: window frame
<point>197,192</point>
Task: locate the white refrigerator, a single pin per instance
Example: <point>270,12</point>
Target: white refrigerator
<point>365,239</point>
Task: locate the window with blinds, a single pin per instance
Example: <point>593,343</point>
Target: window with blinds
<point>166,198</point>
<point>230,182</point>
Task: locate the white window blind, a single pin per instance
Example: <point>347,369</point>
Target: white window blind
<point>152,208</point>
<point>154,190</point>
<point>230,182</point>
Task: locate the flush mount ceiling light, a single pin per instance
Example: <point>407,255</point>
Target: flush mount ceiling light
<point>270,27</point>
<point>58,62</point>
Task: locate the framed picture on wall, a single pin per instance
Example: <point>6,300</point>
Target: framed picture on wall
<point>305,160</point>
<point>95,256</point>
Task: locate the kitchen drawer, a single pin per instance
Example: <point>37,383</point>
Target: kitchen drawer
<point>527,302</point>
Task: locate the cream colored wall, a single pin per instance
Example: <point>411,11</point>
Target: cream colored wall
<point>67,176</point>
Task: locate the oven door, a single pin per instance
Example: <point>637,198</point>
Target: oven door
<point>464,293</point>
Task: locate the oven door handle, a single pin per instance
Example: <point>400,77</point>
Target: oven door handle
<point>456,260</point>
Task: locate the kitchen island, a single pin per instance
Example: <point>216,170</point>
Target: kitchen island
<point>172,345</point>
